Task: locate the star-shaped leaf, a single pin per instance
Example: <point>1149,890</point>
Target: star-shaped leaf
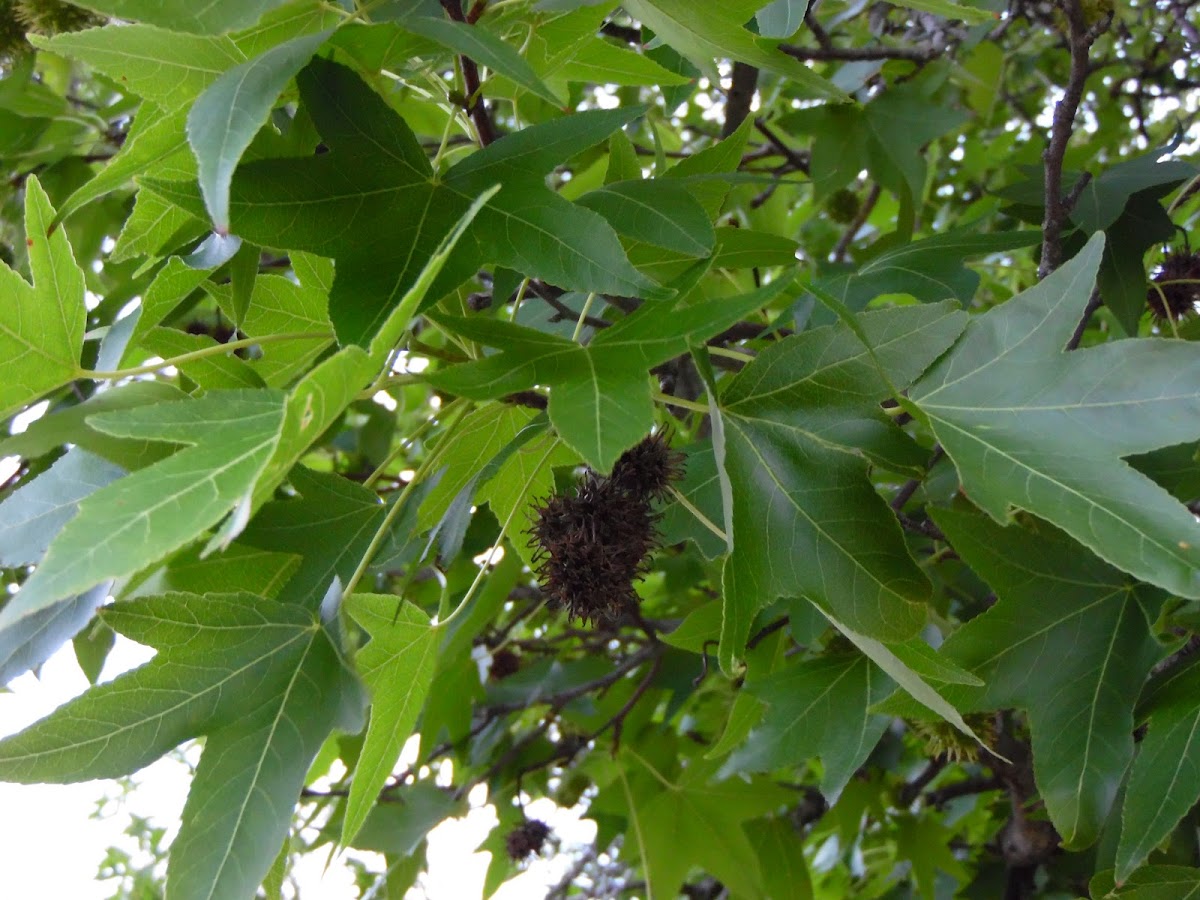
<point>138,519</point>
<point>1032,427</point>
<point>397,666</point>
<point>374,203</point>
<point>41,325</point>
<point>817,707</point>
<point>801,422</point>
<point>600,398</point>
<point>1081,625</point>
<point>695,823</point>
<point>260,679</point>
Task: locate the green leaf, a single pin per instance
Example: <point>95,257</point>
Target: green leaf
<point>781,19</point>
<point>950,10</point>
<point>1106,196</point>
<point>817,707</point>
<point>237,568</point>
<point>401,827</point>
<point>886,137</point>
<point>164,67</point>
<point>161,139</point>
<point>281,305</point>
<point>1150,883</point>
<point>1032,427</point>
<point>1084,629</point>
<point>28,642</point>
<point>313,405</point>
<point>718,34</point>
<point>260,679</point>
<point>781,859</point>
<point>800,420</point>
<point>600,399</point>
<point>525,477</point>
<point>913,665</point>
<point>330,524</point>
<point>32,515</point>
<point>697,823</point>
<point>1165,780</point>
<point>172,69</point>
<point>663,213</point>
<point>482,433</point>
<point>212,17</point>
<point>397,667</point>
<point>600,61</point>
<point>225,118</point>
<point>356,206</point>
<point>930,270</point>
<point>485,49</point>
<point>139,518</point>
<point>41,325</point>
<point>926,842</point>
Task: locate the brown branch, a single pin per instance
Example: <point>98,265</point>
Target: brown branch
<point>977,785</point>
<point>739,97</point>
<point>798,161</point>
<point>1080,38</point>
<point>1093,304</point>
<point>860,54</point>
<point>617,722</point>
<point>765,632</point>
<point>484,128</point>
<point>860,219</point>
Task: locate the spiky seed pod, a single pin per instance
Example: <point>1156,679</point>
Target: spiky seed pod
<point>592,546</point>
<point>943,739</point>
<point>526,839</point>
<point>842,206</point>
<point>51,17</point>
<point>12,31</point>
<point>647,468</point>
<point>505,662</point>
<point>1176,286</point>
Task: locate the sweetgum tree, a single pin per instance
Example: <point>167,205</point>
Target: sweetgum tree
<point>769,426</point>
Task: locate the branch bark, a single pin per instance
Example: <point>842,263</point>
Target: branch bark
<point>1080,37</point>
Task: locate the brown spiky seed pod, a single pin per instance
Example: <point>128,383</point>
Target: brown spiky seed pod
<point>592,546</point>
<point>1176,286</point>
<point>526,839</point>
<point>647,468</point>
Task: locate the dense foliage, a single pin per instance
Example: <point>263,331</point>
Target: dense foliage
<point>769,426</point>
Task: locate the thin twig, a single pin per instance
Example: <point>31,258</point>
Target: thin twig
<point>860,219</point>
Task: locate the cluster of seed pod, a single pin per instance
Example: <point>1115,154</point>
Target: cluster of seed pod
<point>1175,289</point>
<point>593,545</point>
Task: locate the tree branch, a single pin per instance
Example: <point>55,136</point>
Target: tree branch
<point>484,128</point>
<point>1080,38</point>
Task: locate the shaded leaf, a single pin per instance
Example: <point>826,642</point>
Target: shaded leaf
<point>817,707</point>
<point>1083,627</point>
<point>225,118</point>
<point>719,34</point>
<point>799,421</point>
<point>1165,780</point>
<point>1029,426</point>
